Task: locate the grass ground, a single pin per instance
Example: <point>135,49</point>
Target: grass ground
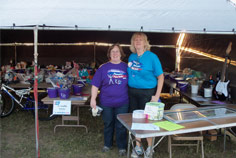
<point>18,140</point>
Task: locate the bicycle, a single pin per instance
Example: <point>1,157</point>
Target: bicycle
<point>26,102</point>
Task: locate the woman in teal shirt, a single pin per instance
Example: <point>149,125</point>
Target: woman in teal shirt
<point>145,80</point>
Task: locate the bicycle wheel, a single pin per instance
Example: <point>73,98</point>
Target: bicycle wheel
<point>7,104</point>
<point>44,110</point>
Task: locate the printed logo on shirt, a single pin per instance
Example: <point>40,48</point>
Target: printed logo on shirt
<point>135,65</point>
<point>115,76</point>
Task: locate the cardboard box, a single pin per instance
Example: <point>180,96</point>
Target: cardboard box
<point>210,134</point>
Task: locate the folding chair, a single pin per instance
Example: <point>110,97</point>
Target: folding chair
<point>196,136</point>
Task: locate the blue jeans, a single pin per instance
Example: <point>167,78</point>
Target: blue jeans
<point>111,124</point>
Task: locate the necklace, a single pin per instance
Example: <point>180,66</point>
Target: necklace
<point>139,57</point>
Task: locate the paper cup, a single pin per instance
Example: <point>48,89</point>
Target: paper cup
<point>207,92</point>
<point>194,89</point>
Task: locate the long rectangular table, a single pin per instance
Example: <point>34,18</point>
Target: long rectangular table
<point>78,101</point>
<point>42,85</point>
<point>194,98</point>
<point>200,125</point>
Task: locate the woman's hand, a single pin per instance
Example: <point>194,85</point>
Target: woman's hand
<point>154,99</point>
<point>93,103</point>
<point>94,93</point>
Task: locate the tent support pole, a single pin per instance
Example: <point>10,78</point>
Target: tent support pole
<point>94,52</point>
<point>36,90</point>
<point>0,52</point>
<point>177,60</point>
<point>15,55</point>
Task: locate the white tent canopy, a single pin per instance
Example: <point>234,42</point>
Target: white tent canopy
<point>193,16</point>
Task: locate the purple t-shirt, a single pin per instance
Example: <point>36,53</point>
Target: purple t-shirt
<point>112,80</point>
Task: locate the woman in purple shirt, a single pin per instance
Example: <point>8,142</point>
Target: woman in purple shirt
<point>112,81</point>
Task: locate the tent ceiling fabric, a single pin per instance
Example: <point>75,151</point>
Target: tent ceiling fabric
<point>217,16</point>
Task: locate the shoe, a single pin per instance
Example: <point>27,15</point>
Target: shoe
<point>137,151</point>
<point>122,152</point>
<point>148,152</point>
<point>105,149</point>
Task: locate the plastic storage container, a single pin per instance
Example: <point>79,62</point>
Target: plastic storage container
<point>183,86</point>
<point>77,89</point>
<point>52,92</point>
<point>64,93</point>
<point>154,110</point>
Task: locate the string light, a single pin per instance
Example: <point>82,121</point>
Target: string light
<point>179,48</point>
<point>207,55</point>
<point>178,53</point>
<point>79,44</point>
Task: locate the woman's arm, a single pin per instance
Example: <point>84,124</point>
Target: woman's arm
<point>156,97</point>
<point>94,93</point>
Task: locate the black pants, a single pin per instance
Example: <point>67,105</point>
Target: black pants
<point>139,97</point>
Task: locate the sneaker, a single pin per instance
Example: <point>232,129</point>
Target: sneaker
<point>137,151</point>
<point>148,152</point>
<point>122,152</point>
<point>105,149</point>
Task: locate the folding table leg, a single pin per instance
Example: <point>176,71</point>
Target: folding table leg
<point>224,138</point>
<point>129,142</point>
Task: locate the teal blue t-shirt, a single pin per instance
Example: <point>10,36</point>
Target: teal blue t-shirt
<point>144,70</point>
